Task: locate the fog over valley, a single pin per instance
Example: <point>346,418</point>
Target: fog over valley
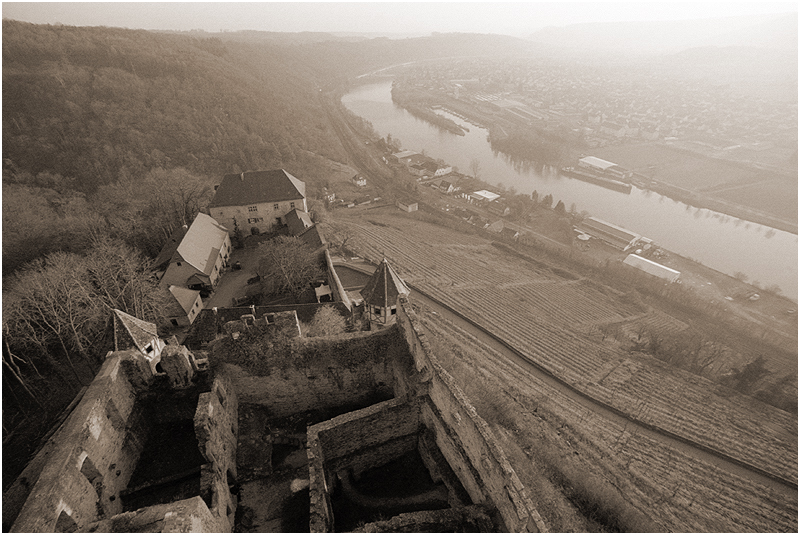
<point>400,266</point>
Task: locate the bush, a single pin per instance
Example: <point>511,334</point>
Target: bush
<point>326,322</point>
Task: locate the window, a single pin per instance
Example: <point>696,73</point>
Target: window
<point>275,206</point>
<point>291,205</point>
<point>179,264</point>
<point>252,208</point>
<point>255,220</point>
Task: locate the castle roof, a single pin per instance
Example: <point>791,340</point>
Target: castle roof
<point>132,332</point>
<point>254,187</point>
<point>384,287</point>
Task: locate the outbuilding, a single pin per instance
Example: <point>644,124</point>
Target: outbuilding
<point>653,268</point>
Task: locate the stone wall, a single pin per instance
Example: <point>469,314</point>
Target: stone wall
<point>464,438</point>
<point>356,441</point>
<point>93,454</point>
<point>185,516</point>
<point>216,427</point>
<point>318,374</point>
<point>339,293</point>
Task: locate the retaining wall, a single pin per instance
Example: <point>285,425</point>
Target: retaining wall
<point>339,293</point>
<point>464,438</point>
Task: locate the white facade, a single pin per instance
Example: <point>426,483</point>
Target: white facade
<point>263,216</point>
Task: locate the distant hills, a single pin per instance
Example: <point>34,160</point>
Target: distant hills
<point>773,32</point>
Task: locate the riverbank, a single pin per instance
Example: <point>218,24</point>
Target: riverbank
<point>734,210</point>
<point>728,244</point>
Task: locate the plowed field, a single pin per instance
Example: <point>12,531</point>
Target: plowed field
<point>608,462</point>
<point>544,317</point>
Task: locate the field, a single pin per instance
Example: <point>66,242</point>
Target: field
<point>759,189</point>
<point>625,479</point>
<point>553,321</point>
<point>778,197</point>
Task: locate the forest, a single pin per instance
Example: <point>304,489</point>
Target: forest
<point>113,138</point>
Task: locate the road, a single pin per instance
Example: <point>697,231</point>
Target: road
<point>707,455</point>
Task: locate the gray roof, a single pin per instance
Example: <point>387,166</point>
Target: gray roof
<point>384,287</point>
<point>202,243</point>
<point>132,332</point>
<point>253,187</point>
<point>298,222</point>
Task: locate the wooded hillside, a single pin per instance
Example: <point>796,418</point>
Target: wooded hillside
<point>113,138</point>
<point>95,104</point>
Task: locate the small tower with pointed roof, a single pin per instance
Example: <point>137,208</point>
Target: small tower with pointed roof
<point>381,292</point>
<point>132,333</point>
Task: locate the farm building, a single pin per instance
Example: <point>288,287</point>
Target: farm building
<point>609,233</point>
<point>408,206</point>
<point>257,199</point>
<point>602,166</point>
<point>483,196</point>
<point>653,268</point>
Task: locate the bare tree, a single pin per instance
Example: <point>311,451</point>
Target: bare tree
<point>338,234</point>
<point>475,168</point>
<point>287,265</point>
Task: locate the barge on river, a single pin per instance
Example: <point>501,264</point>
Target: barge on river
<point>592,178</point>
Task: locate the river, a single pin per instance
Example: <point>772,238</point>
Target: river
<point>728,244</point>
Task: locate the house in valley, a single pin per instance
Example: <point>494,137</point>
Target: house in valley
<point>359,181</point>
<point>200,257</point>
<point>408,205</point>
<point>257,201</point>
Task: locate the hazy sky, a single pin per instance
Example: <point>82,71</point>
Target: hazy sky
<point>513,18</point>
